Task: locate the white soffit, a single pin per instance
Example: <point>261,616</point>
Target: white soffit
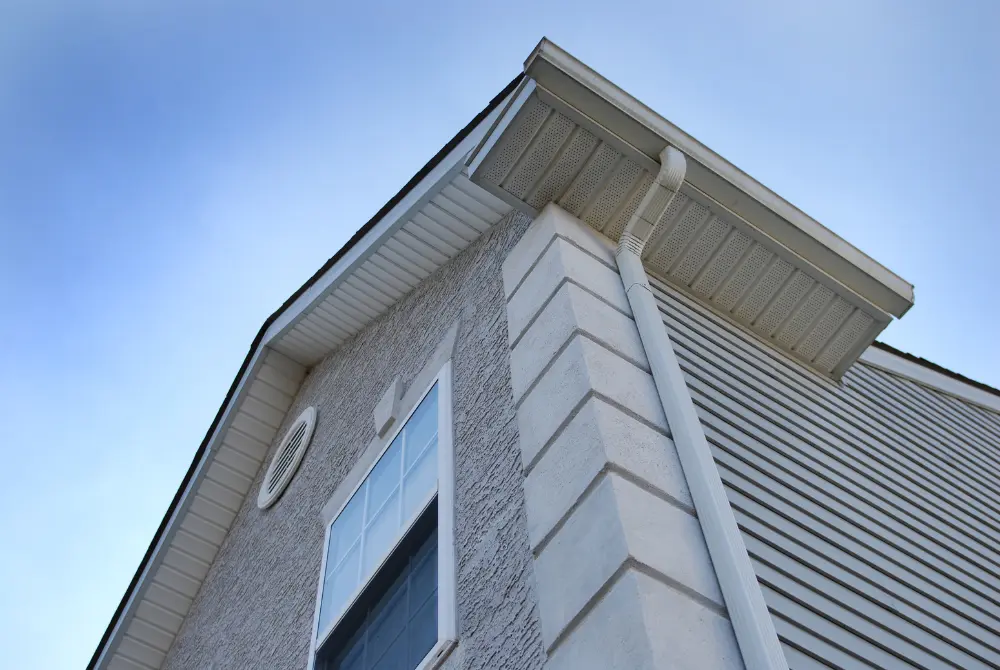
<point>453,216</point>
<point>543,155</point>
<point>564,81</point>
<point>545,151</point>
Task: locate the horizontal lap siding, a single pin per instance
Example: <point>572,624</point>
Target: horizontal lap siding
<point>870,509</point>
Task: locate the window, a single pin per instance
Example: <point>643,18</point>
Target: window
<point>386,593</point>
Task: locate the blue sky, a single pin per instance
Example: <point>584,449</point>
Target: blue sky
<point>170,174</point>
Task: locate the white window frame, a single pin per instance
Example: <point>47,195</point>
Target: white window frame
<point>447,624</point>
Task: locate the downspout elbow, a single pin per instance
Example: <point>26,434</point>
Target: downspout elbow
<point>666,184</point>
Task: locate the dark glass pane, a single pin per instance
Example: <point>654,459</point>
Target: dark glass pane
<point>423,582</point>
<point>422,631</point>
<point>393,623</point>
<point>386,626</point>
<point>394,657</point>
<point>355,659</point>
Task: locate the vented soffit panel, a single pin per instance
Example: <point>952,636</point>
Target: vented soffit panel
<point>579,91</point>
<point>547,150</point>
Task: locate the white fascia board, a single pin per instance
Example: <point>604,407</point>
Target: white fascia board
<point>897,365</point>
<point>440,176</point>
<point>510,110</point>
<point>565,78</point>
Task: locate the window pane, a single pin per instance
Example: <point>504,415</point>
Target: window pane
<point>340,584</point>
<point>422,631</point>
<point>346,529</point>
<point>381,534</point>
<point>355,661</point>
<point>423,581</point>
<point>394,657</point>
<point>383,478</point>
<point>387,627</point>
<point>422,426</point>
<point>393,625</point>
<point>420,482</point>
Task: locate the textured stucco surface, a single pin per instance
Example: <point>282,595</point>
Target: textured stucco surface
<point>255,607</point>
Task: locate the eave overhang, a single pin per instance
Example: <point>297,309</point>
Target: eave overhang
<point>574,138</point>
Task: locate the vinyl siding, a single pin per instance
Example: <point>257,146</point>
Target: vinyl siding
<point>870,508</point>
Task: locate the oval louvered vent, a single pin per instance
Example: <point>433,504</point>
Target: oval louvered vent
<point>286,459</point>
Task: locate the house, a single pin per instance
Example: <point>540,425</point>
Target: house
<point>582,395</point>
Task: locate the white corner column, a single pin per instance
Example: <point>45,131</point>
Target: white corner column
<point>623,573</point>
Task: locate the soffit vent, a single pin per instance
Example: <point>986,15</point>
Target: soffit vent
<point>286,459</point>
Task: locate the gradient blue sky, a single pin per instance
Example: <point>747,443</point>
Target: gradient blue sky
<point>170,174</point>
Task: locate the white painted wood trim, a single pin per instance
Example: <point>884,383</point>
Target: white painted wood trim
<point>447,565</point>
<point>916,372</point>
<point>436,656</point>
<point>313,638</point>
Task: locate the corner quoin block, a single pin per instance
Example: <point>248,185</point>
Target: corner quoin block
<point>623,574</point>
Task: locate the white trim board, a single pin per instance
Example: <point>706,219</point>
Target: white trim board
<point>897,365</point>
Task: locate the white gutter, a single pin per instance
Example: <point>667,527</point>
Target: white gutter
<point>748,612</point>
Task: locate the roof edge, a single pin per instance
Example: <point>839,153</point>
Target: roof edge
<point>565,77</point>
<point>924,372</point>
<point>259,343</point>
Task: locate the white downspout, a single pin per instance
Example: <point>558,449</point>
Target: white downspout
<point>748,612</point>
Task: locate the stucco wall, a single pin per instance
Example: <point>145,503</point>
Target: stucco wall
<point>255,608</point>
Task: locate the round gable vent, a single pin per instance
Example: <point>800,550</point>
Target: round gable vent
<point>286,459</point>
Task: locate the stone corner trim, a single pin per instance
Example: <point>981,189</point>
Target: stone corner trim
<point>624,577</point>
